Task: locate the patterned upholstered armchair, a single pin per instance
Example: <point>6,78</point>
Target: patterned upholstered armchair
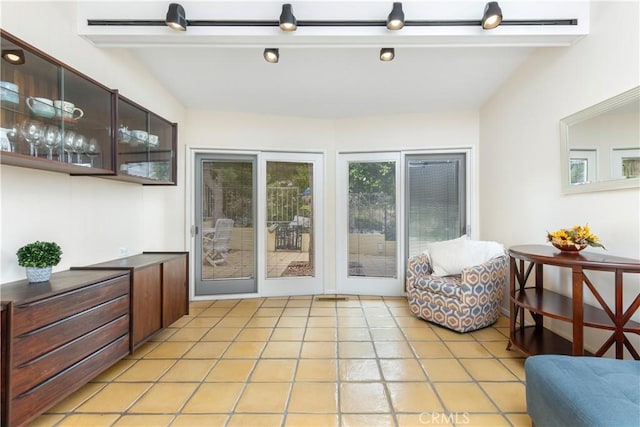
<point>463,302</point>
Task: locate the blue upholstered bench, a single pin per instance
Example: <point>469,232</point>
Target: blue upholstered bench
<point>582,391</point>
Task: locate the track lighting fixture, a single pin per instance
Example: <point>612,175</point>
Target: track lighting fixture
<point>492,15</point>
<point>287,21</point>
<point>176,18</point>
<point>395,20</point>
<point>387,54</point>
<point>271,55</point>
<point>13,56</point>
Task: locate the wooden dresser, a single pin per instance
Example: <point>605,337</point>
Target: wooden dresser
<point>58,335</point>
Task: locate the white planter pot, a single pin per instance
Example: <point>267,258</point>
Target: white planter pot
<point>38,274</point>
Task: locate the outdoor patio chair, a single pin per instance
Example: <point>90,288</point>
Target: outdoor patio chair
<point>216,241</point>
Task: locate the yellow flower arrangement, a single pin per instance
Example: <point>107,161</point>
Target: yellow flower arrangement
<point>579,236</point>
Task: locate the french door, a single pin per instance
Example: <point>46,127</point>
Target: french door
<point>256,224</point>
<point>367,224</point>
<point>389,205</point>
<point>292,220</point>
<point>225,218</point>
<point>436,199</point>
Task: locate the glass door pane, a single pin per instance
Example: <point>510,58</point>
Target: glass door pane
<point>368,251</point>
<point>90,122</point>
<point>290,219</point>
<point>372,219</point>
<point>225,209</point>
<point>435,200</point>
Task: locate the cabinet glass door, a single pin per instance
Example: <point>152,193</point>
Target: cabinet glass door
<point>145,145</point>
<point>53,113</point>
<point>85,114</point>
<point>162,134</point>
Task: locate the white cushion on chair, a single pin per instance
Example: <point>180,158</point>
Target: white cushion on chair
<point>451,256</point>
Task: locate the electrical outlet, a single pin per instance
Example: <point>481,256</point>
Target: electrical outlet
<point>124,251</point>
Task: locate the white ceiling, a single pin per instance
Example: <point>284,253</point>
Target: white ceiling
<point>333,72</point>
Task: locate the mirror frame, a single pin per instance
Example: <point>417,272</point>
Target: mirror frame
<point>632,95</point>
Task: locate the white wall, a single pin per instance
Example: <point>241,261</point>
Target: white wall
<point>91,218</point>
<point>520,180</point>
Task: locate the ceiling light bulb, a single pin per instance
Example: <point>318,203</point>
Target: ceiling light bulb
<point>395,21</point>
<point>492,15</point>
<point>271,55</point>
<point>287,21</point>
<point>387,54</point>
<point>176,17</point>
<point>14,56</point>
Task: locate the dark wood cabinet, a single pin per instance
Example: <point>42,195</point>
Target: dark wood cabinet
<point>5,307</point>
<point>59,335</point>
<point>159,290</point>
<point>52,117</point>
<point>146,303</point>
<point>540,302</point>
<point>175,289</point>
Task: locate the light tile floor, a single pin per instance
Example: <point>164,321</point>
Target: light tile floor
<point>302,362</point>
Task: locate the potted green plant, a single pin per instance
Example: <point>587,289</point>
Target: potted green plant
<point>39,258</point>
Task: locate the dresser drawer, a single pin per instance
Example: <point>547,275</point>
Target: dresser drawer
<point>31,316</point>
<point>30,404</point>
<point>31,345</point>
<point>32,373</point>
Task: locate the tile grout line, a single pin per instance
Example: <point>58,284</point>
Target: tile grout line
<point>385,383</point>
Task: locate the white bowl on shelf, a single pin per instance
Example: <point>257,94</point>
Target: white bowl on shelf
<point>154,141</point>
<point>9,92</point>
<point>124,135</point>
<point>141,135</point>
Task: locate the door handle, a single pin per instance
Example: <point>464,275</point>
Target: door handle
<point>194,230</point>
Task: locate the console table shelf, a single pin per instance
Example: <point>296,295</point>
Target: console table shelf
<point>541,302</point>
<point>557,306</point>
<point>531,340</point>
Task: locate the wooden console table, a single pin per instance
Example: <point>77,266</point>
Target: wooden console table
<point>540,302</point>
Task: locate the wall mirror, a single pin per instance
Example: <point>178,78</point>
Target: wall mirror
<point>601,145</point>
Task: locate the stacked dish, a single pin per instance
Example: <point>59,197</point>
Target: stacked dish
<point>9,93</point>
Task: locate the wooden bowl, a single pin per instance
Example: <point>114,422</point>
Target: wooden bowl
<point>569,248</point>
